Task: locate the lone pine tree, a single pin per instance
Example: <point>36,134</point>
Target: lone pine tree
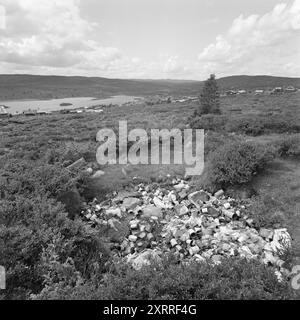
<point>210,97</point>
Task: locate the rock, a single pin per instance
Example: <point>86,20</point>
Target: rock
<point>130,203</point>
<point>194,250</point>
<point>230,214</point>
<point>142,235</point>
<point>281,240</point>
<point>199,258</point>
<point>98,174</point>
<point>150,236</point>
<point>173,242</point>
<point>88,216</point>
<point>219,194</point>
<point>179,187</point>
<point>89,170</point>
<point>152,211</point>
<point>227,205</point>
<point>181,210</point>
<point>143,259</point>
<point>182,194</point>
<point>132,238</point>
<point>216,259</point>
<point>114,212</point>
<point>198,198</point>
<point>213,212</point>
<point>159,203</point>
<point>266,233</point>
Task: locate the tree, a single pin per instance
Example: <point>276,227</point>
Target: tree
<point>210,97</point>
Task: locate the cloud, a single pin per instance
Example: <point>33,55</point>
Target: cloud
<point>267,44</point>
<point>51,34</point>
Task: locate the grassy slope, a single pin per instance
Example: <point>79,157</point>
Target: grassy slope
<point>46,87</point>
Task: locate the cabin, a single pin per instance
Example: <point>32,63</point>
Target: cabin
<point>277,90</point>
<point>259,91</point>
<point>3,112</point>
<point>290,89</point>
<point>30,113</point>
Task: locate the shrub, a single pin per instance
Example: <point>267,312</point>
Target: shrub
<point>235,163</point>
<point>289,146</point>
<point>172,280</point>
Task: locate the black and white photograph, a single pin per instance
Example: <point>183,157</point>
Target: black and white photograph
<point>149,151</point>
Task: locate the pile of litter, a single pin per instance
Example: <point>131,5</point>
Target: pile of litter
<point>153,220</point>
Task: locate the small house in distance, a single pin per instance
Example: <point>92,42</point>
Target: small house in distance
<point>30,113</point>
<point>3,112</point>
<point>290,89</point>
<point>277,90</point>
<point>259,91</point>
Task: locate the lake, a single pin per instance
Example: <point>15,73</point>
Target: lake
<point>18,106</point>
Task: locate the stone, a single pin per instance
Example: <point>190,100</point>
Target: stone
<point>159,203</point>
<point>281,240</point>
<point>132,238</point>
<point>150,236</point>
<point>194,250</point>
<point>216,259</point>
<point>198,198</point>
<point>266,233</point>
<point>173,242</point>
<point>98,174</point>
<point>114,212</point>
<point>178,187</point>
<point>182,194</point>
<point>230,214</point>
<point>144,258</point>
<point>227,205</point>
<point>219,194</point>
<point>89,170</point>
<point>213,212</point>
<point>181,210</point>
<point>130,203</point>
<point>150,211</point>
<point>199,258</point>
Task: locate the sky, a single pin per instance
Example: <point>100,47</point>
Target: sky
<point>150,39</point>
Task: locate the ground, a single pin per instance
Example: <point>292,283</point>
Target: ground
<point>38,134</point>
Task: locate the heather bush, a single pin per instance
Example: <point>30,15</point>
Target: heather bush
<point>173,280</point>
<point>289,146</point>
<point>235,163</point>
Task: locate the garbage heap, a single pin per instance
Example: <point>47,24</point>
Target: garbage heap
<point>152,220</point>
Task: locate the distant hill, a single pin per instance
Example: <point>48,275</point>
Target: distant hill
<point>256,82</point>
<point>50,87</point>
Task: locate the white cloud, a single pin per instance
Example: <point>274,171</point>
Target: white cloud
<point>51,34</point>
<point>267,44</point>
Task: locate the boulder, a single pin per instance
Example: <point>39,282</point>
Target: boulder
<point>152,211</point>
<point>144,258</point>
<point>130,203</point>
